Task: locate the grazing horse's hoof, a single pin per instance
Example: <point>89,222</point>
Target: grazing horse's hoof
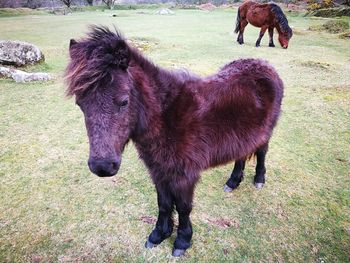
<point>227,189</point>
<point>149,244</point>
<point>259,185</point>
<point>178,252</point>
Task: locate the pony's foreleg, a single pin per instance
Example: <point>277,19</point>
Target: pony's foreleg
<point>164,225</point>
<point>243,24</point>
<point>271,44</point>
<point>236,176</point>
<point>262,32</point>
<point>183,194</point>
<point>260,169</point>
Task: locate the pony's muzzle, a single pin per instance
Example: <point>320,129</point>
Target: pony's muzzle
<point>104,167</point>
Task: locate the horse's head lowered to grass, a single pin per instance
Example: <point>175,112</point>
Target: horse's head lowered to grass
<point>285,33</point>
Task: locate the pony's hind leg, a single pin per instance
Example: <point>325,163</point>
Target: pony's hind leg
<point>262,32</point>
<point>236,176</point>
<point>260,169</point>
<point>243,24</point>
<point>164,225</point>
<point>271,44</point>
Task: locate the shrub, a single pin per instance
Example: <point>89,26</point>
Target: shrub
<point>332,26</point>
<point>319,4</point>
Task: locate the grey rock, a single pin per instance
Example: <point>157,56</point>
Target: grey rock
<point>165,11</point>
<point>19,53</point>
<point>21,76</point>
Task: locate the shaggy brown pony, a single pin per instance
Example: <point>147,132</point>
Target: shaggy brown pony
<point>266,16</point>
<point>180,124</point>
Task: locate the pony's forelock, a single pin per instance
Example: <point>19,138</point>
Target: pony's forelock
<point>92,59</point>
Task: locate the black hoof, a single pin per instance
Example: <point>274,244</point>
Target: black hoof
<point>259,185</point>
<point>149,244</point>
<point>271,45</point>
<point>227,189</point>
<point>178,252</point>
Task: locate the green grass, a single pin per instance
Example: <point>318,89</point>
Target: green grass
<point>53,209</point>
<point>10,12</point>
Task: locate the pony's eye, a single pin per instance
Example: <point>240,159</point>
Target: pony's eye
<point>123,103</point>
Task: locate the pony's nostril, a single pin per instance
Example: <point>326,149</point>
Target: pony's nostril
<point>115,165</point>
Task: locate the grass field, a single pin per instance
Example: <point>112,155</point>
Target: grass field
<point>53,209</point>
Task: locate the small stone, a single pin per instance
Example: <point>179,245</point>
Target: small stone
<point>21,76</point>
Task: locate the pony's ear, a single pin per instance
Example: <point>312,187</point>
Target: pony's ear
<point>121,55</point>
<point>72,42</point>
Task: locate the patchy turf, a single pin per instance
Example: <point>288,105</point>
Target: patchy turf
<point>53,209</point>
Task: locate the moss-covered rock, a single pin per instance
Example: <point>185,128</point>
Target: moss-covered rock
<point>331,12</point>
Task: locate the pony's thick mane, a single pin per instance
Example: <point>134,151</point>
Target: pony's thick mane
<point>281,19</point>
<point>93,58</point>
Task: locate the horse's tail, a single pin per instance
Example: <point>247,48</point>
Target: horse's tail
<point>238,22</point>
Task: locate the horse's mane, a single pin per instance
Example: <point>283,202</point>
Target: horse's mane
<point>281,19</point>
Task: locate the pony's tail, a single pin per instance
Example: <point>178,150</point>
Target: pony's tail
<point>238,21</point>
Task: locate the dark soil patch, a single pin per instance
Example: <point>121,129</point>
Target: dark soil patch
<point>223,223</point>
<point>148,220</point>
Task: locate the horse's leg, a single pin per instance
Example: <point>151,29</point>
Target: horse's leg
<point>271,44</point>
<point>243,24</point>
<point>183,194</point>
<point>236,176</point>
<point>164,225</point>
<point>262,32</point>
<point>260,169</point>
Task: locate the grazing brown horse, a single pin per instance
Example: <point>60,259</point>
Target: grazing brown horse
<point>179,123</point>
<point>266,16</point>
